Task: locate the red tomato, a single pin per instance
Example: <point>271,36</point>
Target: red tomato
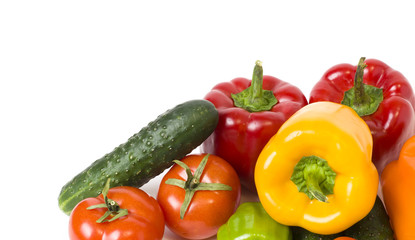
<point>344,238</point>
<point>208,209</point>
<point>145,219</point>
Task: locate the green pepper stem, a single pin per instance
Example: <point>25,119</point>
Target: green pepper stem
<point>255,98</point>
<point>313,176</point>
<point>364,99</point>
<point>313,187</point>
<point>257,80</point>
<point>360,95</point>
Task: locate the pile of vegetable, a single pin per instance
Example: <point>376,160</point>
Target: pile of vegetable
<point>341,166</point>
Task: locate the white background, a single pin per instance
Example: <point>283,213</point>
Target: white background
<point>77,78</point>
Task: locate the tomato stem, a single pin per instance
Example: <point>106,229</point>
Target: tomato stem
<point>113,209</point>
<point>193,184</point>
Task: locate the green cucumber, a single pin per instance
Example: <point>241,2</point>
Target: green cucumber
<point>146,154</point>
<point>303,234</point>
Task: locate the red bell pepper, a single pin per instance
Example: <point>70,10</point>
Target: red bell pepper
<point>250,113</point>
<point>382,96</point>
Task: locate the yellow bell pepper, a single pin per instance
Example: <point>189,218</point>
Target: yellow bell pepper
<point>316,171</point>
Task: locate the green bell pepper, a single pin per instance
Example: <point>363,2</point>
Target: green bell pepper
<point>251,221</point>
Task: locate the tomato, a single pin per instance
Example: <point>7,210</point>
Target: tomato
<point>344,238</point>
<point>208,208</point>
<point>144,219</point>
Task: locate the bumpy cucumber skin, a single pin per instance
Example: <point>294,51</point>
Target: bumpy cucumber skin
<point>146,154</point>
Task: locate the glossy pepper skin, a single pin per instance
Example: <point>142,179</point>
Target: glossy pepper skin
<point>375,226</point>
<point>316,172</point>
<point>398,186</point>
<point>241,134</point>
<point>252,222</point>
<point>393,122</point>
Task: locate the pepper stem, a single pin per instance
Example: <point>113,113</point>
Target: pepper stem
<point>255,98</point>
<point>364,99</point>
<point>257,80</point>
<point>313,176</point>
<point>360,96</point>
<point>314,189</point>
<point>193,184</point>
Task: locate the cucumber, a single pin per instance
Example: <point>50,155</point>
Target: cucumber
<point>146,154</point>
<point>303,234</point>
